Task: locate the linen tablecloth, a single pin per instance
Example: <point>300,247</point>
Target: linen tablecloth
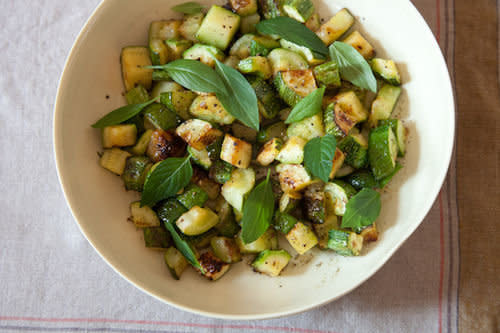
<point>445,278</point>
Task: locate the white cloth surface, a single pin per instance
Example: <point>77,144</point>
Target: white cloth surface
<point>51,279</point>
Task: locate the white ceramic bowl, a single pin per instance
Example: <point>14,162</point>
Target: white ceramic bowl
<point>100,204</point>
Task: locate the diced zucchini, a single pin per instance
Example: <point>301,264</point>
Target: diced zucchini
<point>370,233</point>
<point>271,262</point>
<point>243,132</point>
<point>135,172</point>
<point>244,7</point>
<point>143,216</point>
<point>386,70</point>
<point>196,221</point>
<point>336,199</point>
<point>218,27</point>
<point>114,160</point>
<point>226,249</point>
<point>158,51</point>
<point>221,171</point>
<point>178,102</point>
<point>269,102</point>
<point>236,152</point>
<point>241,48</point>
<point>331,30</point>
<point>300,10</point>
<point>314,22</point>
<point>190,26</point>
<point>314,203</point>
<point>160,75</point>
<point>348,188</point>
<point>338,161</point>
<point>170,210</point>
<point>214,267</point>
<point>163,87</point>
<point>164,30</point>
<point>293,177</point>
<point>200,157</point>
<point>176,48</point>
<point>175,261</point>
<point>160,117</point>
<point>355,148</point>
<point>204,53</point>
<point>331,126</point>
<point>345,243</point>
<point>192,196</point>
<point>142,144</point>
<point>301,238</point>
<point>198,133</point>
<point>322,230</point>
<point>288,202</point>
<point>286,60</point>
<point>348,111</point>
<point>227,226</point>
<point>262,243</point>
<point>248,23</point>
<point>276,130</point>
<point>294,85</point>
<point>209,186</point>
<point>283,222</point>
<point>271,8</point>
<point>361,179</point>
<point>262,45</point>
<point>311,57</point>
<point>356,40</point>
<point>307,128</point>
<point>156,238</point>
<point>328,74</point>
<point>201,241</point>
<point>119,135</point>
<point>238,186</point>
<point>293,151</point>
<point>384,181</point>
<point>256,65</point>
<point>382,151</point>
<point>133,60</point>
<point>137,95</point>
<point>384,104</point>
<point>209,108</point>
<point>344,171</point>
<point>400,131</point>
<point>232,61</point>
<point>163,145</point>
<point>269,151</point>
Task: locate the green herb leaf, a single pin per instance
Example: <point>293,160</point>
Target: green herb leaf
<point>166,179</point>
<point>190,7</point>
<point>307,107</point>
<point>362,209</point>
<point>353,67</point>
<point>295,32</point>
<point>318,156</point>
<point>122,114</point>
<point>239,99</point>
<point>193,75</point>
<point>184,247</point>
<point>258,211</point>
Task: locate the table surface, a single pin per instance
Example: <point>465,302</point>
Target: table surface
<point>443,279</point>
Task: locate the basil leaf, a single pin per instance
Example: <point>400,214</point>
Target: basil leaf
<point>239,99</point>
<point>318,156</point>
<point>193,75</point>
<point>307,107</point>
<point>362,209</point>
<point>122,114</point>
<point>295,32</point>
<point>184,247</point>
<point>166,179</point>
<point>257,211</point>
<point>188,8</point>
<point>353,67</point>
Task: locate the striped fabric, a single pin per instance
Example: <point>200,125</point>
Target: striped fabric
<point>445,278</point>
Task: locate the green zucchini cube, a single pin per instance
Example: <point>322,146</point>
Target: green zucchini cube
<point>218,27</point>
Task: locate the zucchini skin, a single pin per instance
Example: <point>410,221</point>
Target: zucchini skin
<point>221,171</point>
<point>314,203</point>
<point>300,10</point>
<point>160,117</point>
<point>137,95</point>
<point>157,237</point>
<point>218,27</point>
<point>271,8</point>
<point>170,210</point>
<point>356,154</point>
<point>382,151</point>
<point>328,74</point>
<point>386,70</point>
<point>225,249</point>
<point>361,179</point>
<point>331,126</point>
<point>271,262</point>
<point>283,222</point>
<point>192,196</point>
<point>135,172</point>
<point>345,243</point>
<point>267,96</point>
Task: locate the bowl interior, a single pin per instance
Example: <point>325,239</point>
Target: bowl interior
<point>100,204</point>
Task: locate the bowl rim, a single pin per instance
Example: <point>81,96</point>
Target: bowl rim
<point>57,150</point>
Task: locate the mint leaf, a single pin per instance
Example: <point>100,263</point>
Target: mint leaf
<point>166,179</point>
<point>258,211</point>
<point>239,98</point>
<point>295,32</point>
<point>193,75</point>
<point>190,7</point>
<point>307,107</point>
<point>362,209</point>
<point>353,67</point>
<point>318,156</point>
<point>184,247</point>
<point>122,114</point>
